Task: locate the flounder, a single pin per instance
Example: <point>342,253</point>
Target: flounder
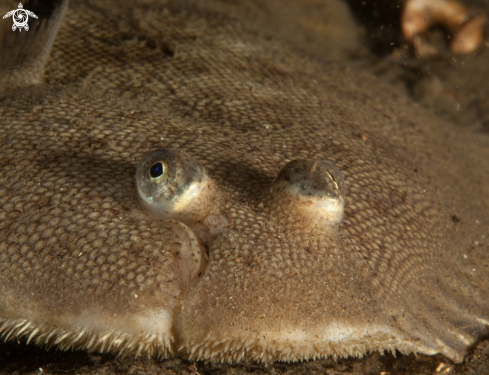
<point>182,186</point>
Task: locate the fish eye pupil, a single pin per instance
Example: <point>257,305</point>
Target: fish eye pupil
<point>156,170</point>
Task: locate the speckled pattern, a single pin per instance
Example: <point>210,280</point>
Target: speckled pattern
<point>80,263</point>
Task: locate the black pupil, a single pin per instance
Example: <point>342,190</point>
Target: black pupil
<point>156,170</point>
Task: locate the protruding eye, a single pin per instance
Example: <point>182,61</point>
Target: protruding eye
<point>172,185</point>
<point>157,171</point>
<point>312,190</point>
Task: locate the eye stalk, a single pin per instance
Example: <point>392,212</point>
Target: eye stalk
<point>172,185</point>
<point>311,192</point>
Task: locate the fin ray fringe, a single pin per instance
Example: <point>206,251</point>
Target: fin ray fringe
<point>117,342</point>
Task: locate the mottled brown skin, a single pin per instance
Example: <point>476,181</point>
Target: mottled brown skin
<point>79,259</point>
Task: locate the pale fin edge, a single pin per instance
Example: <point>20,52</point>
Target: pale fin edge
<point>218,348</point>
<point>117,342</point>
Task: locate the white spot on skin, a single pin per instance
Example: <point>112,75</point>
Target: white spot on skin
<point>216,224</point>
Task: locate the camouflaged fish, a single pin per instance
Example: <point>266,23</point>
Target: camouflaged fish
<point>175,184</point>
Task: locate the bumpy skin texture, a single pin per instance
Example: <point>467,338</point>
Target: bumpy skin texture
<point>82,266</point>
